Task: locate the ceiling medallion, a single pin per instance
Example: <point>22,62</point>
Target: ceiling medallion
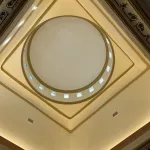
<point>67,59</point>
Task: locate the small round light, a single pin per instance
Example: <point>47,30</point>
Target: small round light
<point>108,68</point>
<point>21,23</point>
<point>53,93</point>
<point>66,95</point>
<point>7,40</point>
<point>31,77</point>
<point>41,87</point>
<point>34,7</point>
<point>101,80</point>
<point>79,94</point>
<point>107,41</point>
<point>110,55</point>
<point>91,89</point>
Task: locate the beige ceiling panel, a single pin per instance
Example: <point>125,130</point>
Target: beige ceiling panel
<point>21,89</point>
<point>129,64</point>
<point>140,65</point>
<point>103,131</point>
<point>13,68</point>
<point>117,33</point>
<point>34,101</point>
<point>42,134</point>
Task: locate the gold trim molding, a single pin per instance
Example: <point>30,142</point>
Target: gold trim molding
<point>59,90</point>
<point>2,68</point>
<point>28,41</point>
<point>70,131</point>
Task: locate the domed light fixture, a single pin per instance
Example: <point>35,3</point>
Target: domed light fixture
<point>67,59</point>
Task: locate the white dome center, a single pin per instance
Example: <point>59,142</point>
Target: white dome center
<point>67,53</point>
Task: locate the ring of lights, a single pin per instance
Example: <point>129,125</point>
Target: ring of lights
<point>68,96</point>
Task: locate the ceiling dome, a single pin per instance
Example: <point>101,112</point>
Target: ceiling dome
<point>67,59</point>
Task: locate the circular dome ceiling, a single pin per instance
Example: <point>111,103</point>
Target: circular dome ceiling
<point>67,59</point>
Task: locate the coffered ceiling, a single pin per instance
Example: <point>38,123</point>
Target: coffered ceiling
<point>33,122</point>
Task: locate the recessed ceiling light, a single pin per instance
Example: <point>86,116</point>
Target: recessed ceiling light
<point>108,68</point>
<point>79,94</point>
<point>91,89</point>
<point>107,41</point>
<point>53,93</point>
<point>26,65</point>
<point>66,95</point>
<point>7,40</point>
<point>31,77</point>
<point>41,87</point>
<point>21,23</point>
<point>101,80</point>
<point>34,7</point>
<point>110,54</point>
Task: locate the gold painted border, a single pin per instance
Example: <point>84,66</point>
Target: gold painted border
<point>40,96</point>
<point>136,78</point>
<point>33,106</point>
<point>70,131</point>
<point>115,28</point>
<point>145,53</point>
<point>103,91</point>
<point>82,99</point>
<point>28,89</point>
<point>148,68</point>
<point>114,65</point>
<point>59,90</point>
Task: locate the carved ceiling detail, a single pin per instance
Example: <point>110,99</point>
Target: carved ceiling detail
<point>132,19</point>
<point>9,9</point>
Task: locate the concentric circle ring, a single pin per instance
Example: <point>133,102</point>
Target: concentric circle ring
<point>68,96</point>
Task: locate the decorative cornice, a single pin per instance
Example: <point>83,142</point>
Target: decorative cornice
<point>9,9</point>
<point>127,13</point>
<point>142,8</point>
